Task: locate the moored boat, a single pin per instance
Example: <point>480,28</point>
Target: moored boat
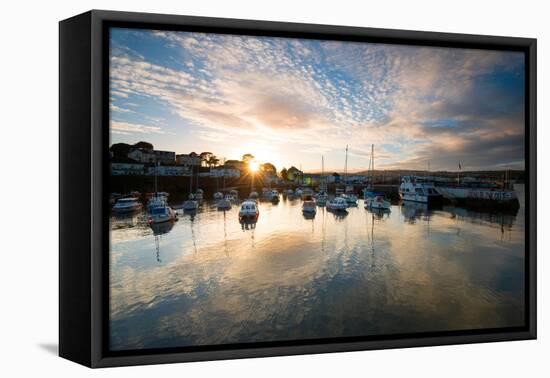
<point>309,207</point>
<point>377,201</point>
<point>337,204</point>
<point>190,205</point>
<point>218,195</point>
<point>127,205</point>
<point>479,194</point>
<point>224,204</point>
<point>249,210</point>
<point>415,189</point>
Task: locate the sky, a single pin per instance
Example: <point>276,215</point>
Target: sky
<point>291,102</point>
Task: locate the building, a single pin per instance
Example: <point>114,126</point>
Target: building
<point>236,164</point>
<point>225,171</point>
<point>164,157</point>
<point>188,160</point>
<point>168,170</point>
<point>127,169</point>
<point>144,155</point>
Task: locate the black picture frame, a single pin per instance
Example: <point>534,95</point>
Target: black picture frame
<point>83,182</point>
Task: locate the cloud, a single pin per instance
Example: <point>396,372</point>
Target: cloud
<point>133,128</point>
<point>410,101</point>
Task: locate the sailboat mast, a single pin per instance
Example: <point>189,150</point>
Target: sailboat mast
<point>346,165</point>
<point>372,160</point>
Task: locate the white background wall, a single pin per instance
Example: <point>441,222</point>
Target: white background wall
<point>28,127</point>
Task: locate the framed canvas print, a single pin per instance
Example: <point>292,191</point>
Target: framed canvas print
<point>234,188</point>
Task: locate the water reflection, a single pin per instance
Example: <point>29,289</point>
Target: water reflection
<point>216,280</point>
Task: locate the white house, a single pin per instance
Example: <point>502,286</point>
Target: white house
<point>168,170</point>
<point>188,160</point>
<point>143,155</point>
<point>125,169</point>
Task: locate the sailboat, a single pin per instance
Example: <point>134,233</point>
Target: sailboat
<point>374,200</point>
<point>158,209</point>
<point>322,196</point>
<point>349,196</point>
<point>223,203</point>
<point>190,204</point>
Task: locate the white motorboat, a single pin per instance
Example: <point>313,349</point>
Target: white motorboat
<point>337,204</point>
<point>161,212</point>
<point>415,189</point>
<point>307,194</point>
<point>198,195</point>
<point>224,204</point>
<point>351,199</point>
<point>321,198</point>
<point>218,195</point>
<point>374,200</point>
<point>234,195</point>
<point>249,210</point>
<point>377,202</point>
<point>190,205</point>
<point>274,196</point>
<point>127,205</point>
<point>309,207</point>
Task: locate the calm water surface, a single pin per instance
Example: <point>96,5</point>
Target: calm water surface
<point>210,280</point>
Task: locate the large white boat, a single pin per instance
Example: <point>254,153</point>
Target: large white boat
<point>249,210</point>
<point>480,194</point>
<point>127,205</point>
<point>416,189</point>
<point>337,204</point>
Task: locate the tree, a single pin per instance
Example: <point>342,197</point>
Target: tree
<point>269,169</point>
<point>120,150</point>
<point>205,156</point>
<point>144,145</point>
<point>247,158</point>
<point>212,161</point>
<point>284,174</point>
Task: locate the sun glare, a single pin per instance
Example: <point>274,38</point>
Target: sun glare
<point>253,166</point>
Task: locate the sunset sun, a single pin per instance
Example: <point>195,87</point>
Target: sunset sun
<point>253,166</point>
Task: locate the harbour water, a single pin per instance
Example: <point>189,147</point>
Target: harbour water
<point>207,279</point>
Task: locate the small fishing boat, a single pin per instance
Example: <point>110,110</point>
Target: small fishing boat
<point>321,198</point>
<point>218,195</point>
<point>249,210</point>
<point>234,195</point>
<point>160,213</point>
<point>351,199</point>
<point>198,195</point>
<point>377,201</point>
<point>224,204</point>
<point>337,204</point>
<point>274,196</point>
<point>307,194</point>
<point>309,207</point>
<point>190,205</point>
<point>127,205</point>
<point>374,200</point>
